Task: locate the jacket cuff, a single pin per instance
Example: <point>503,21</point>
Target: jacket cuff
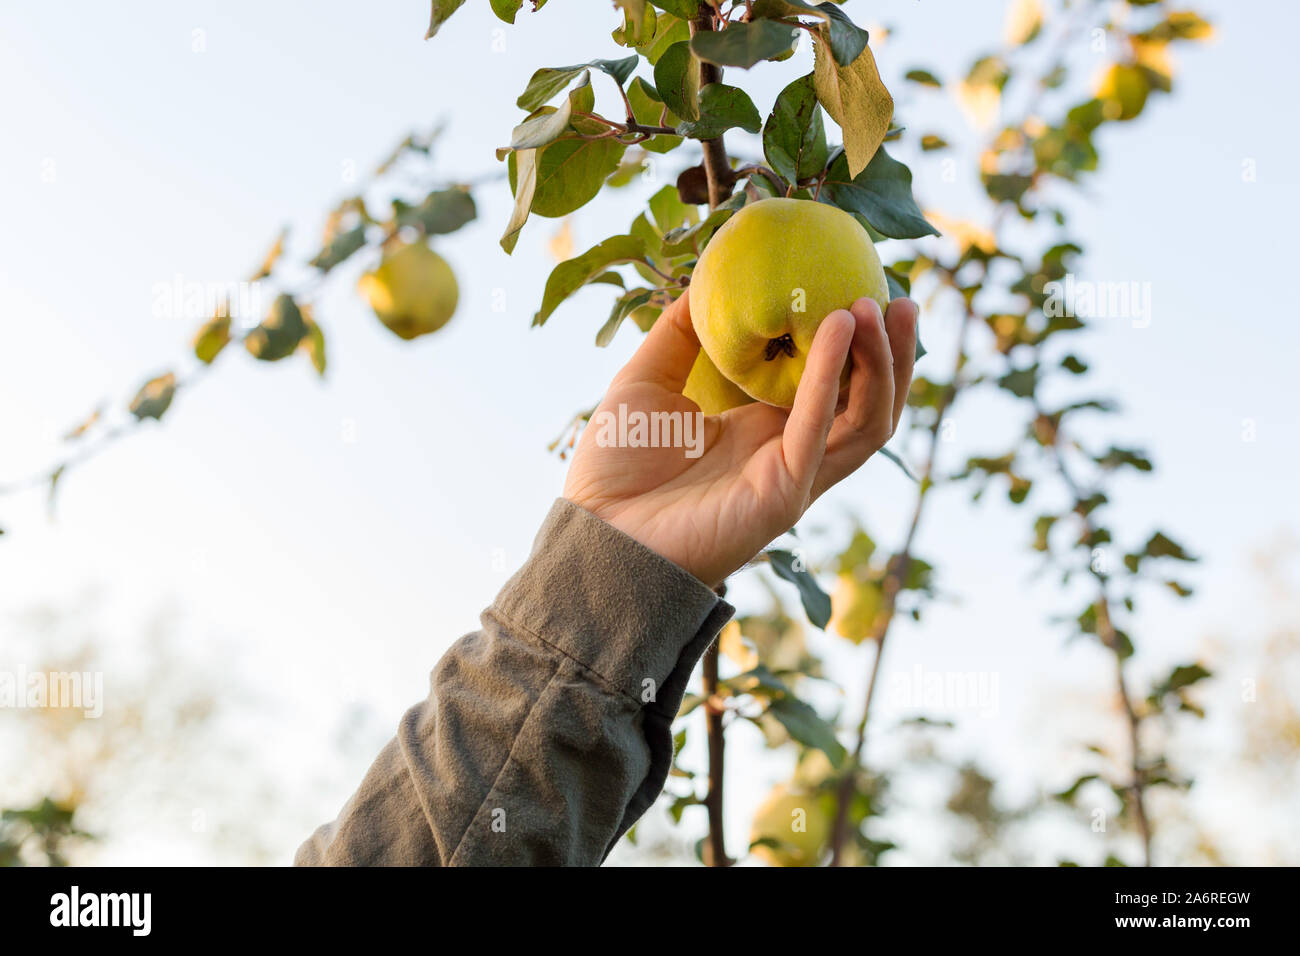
<point>610,603</point>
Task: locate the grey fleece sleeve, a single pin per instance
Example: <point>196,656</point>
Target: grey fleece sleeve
<point>545,734</point>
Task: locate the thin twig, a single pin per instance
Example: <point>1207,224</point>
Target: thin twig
<point>890,587</point>
<point>770,175</point>
<point>1109,637</point>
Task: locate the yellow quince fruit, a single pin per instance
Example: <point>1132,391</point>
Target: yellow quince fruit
<point>710,389</point>
<point>765,282</point>
<point>795,826</point>
<point>1123,91</point>
<point>854,607</point>
<point>413,290</point>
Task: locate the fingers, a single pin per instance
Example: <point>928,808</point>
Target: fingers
<point>900,325</point>
<point>868,420</point>
<point>804,439</point>
<point>668,352</point>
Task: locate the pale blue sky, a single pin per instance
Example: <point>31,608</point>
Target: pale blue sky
<point>343,569</point>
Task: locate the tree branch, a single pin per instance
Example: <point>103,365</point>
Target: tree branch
<point>1109,638</point>
<point>720,178</point>
<point>890,587</point>
<point>716,166</point>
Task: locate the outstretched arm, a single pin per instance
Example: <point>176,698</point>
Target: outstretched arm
<point>545,734</point>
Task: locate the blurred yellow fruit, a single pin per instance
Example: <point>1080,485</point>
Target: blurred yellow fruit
<point>1123,91</point>
<point>413,290</point>
<point>798,824</point>
<point>710,389</point>
<point>854,607</point>
<point>765,282</point>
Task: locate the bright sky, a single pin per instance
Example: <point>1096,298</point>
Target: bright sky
<point>341,535</point>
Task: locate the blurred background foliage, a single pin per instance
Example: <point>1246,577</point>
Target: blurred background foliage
<point>1067,83</point>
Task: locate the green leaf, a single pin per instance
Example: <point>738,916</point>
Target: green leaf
<point>545,126</point>
<point>1042,531</point>
<point>342,246</point>
<point>573,274</point>
<point>313,343</point>
<point>506,9</point>
<point>569,173</point>
<point>794,138</point>
<point>638,23</point>
<point>668,30</point>
<point>1020,382</point>
<point>626,304</point>
<point>643,229</point>
<point>722,108</point>
<point>1116,457</point>
<point>278,335</point>
<point>686,9</point>
<point>669,211</point>
<point>743,44</point>
<point>900,463</point>
<point>443,211</point>
<point>759,681</point>
<point>1160,546</point>
<point>924,77</point>
<point>807,727</point>
<point>152,401</point>
<point>847,40</point>
<point>1185,675</point>
<point>1069,793</point>
<point>694,238</point>
<point>899,285</point>
<point>816,602</point>
<point>881,194</point>
<point>546,82</point>
<point>648,109</point>
<point>442,9</point>
<point>677,80</point>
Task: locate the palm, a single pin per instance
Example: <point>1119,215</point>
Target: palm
<point>756,468</point>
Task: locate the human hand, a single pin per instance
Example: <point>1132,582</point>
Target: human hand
<point>758,467</point>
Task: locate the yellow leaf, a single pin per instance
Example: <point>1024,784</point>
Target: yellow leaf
<point>1188,25</point>
<point>732,646</point>
<point>154,397</point>
<point>854,607</point>
<point>1024,20</point>
<point>526,184</point>
<point>84,427</point>
<point>272,257</point>
<point>855,98</point>
<point>561,244</point>
<point>967,234</point>
<point>980,93</point>
<point>1154,56</point>
<point>313,343</point>
<point>212,337</point>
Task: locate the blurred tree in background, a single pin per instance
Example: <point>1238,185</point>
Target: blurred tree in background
<point>1069,80</point>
